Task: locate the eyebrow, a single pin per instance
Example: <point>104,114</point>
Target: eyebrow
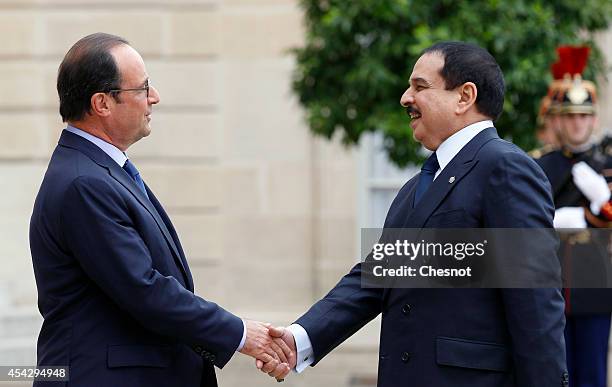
<point>420,80</point>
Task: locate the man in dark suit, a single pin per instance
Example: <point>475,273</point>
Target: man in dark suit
<point>454,337</point>
<point>114,286</point>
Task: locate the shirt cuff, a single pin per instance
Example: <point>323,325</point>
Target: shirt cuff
<point>596,206</point>
<point>244,332</point>
<point>303,346</point>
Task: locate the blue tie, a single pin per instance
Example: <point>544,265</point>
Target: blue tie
<point>428,171</point>
<point>134,174</point>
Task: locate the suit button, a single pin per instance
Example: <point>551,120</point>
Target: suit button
<point>565,380</point>
<point>405,357</point>
<point>198,349</point>
<point>406,309</point>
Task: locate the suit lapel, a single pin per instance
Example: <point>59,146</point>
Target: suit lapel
<point>450,176</point>
<point>74,141</point>
<point>174,236</point>
<point>436,193</point>
<point>122,177</point>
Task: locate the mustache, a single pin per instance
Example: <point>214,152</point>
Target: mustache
<point>411,109</point>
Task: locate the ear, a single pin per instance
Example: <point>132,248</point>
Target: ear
<point>467,97</point>
<point>100,104</point>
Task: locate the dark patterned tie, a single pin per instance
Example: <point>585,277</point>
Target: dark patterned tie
<point>134,174</point>
<point>428,171</point>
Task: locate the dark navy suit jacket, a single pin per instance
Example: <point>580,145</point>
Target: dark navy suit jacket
<point>114,287</point>
<point>459,337</point>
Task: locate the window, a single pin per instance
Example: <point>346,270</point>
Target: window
<point>380,181</point>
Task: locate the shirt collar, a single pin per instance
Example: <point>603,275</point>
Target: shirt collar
<point>452,145</point>
<point>112,151</point>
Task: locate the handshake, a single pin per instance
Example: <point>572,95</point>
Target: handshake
<point>272,347</point>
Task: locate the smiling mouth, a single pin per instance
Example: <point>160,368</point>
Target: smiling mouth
<point>413,113</point>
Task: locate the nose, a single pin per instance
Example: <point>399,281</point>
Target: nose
<point>407,98</point>
<point>153,95</point>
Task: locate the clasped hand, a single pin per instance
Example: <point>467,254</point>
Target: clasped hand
<point>273,348</point>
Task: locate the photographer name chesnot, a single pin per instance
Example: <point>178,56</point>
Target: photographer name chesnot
<point>459,250</point>
<point>423,271</point>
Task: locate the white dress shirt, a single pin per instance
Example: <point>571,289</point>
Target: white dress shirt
<point>452,145</point>
<point>120,158</point>
<point>445,153</point>
<point>112,151</point>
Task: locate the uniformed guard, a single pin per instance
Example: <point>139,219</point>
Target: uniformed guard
<point>577,172</point>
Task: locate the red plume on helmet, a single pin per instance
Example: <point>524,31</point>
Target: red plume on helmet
<point>569,93</point>
<point>572,61</point>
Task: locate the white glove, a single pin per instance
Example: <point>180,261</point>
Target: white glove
<point>592,185</point>
<point>569,217</point>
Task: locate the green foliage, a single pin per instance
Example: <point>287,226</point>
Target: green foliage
<point>359,54</point>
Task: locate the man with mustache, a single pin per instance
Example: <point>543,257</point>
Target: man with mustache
<point>453,337</point>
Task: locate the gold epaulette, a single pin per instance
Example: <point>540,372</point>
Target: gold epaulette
<point>541,151</point>
<point>606,145</point>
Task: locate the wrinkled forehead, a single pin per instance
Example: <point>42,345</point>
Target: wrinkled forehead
<point>130,64</point>
<point>428,69</point>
